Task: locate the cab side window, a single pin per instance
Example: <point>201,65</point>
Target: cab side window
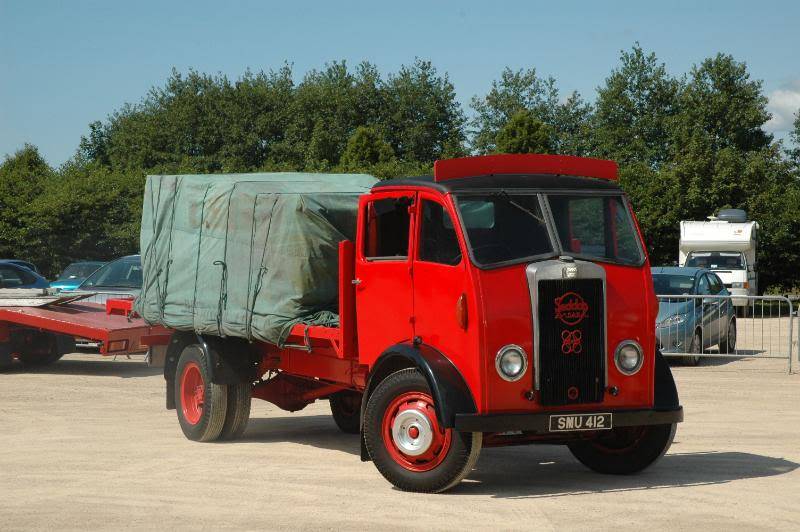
<point>387,227</point>
<point>438,241</point>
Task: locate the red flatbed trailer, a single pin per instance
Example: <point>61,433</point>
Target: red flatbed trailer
<point>32,334</point>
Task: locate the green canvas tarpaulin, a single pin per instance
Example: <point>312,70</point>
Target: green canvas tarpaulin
<point>246,255</point>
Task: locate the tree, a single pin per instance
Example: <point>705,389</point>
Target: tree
<point>366,147</point>
<point>23,177</point>
<point>795,153</point>
<point>524,133</point>
<point>524,90</point>
<point>423,119</point>
<point>632,121</point>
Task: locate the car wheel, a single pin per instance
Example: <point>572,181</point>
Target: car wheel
<point>695,347</point>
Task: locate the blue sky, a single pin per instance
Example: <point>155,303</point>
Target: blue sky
<point>65,64</point>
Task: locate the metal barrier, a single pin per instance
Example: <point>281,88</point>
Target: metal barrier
<point>695,326</point>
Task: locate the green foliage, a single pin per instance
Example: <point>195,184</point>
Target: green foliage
<point>687,146</point>
<point>366,147</point>
<point>521,91</point>
<point>524,133</point>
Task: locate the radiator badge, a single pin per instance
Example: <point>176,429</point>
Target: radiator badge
<point>571,308</point>
<point>571,342</point>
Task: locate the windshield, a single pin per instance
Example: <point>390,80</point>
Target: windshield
<point>596,227</point>
<point>502,227</point>
<point>715,260</point>
<point>123,273</point>
<point>505,226</point>
<point>673,285</point>
<point>79,270</point>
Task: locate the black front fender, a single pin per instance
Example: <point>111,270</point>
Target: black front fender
<point>451,395</point>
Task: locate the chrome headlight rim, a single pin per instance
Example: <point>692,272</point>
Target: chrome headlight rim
<point>618,351</point>
<point>498,359</point>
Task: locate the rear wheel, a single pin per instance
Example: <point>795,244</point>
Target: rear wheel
<point>404,439</point>
<point>38,348</point>
<point>237,412</point>
<point>346,410</point>
<point>201,404</point>
<point>728,343</point>
<point>624,450</point>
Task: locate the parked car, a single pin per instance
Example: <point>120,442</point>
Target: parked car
<point>15,275</point>
<point>74,274</point>
<point>119,278</point>
<point>691,325</point>
<point>25,264</point>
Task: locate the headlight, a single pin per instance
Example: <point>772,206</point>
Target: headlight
<point>740,285</point>
<point>677,319</point>
<point>511,362</point>
<point>628,357</point>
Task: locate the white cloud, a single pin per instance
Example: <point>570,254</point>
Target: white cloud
<point>783,104</point>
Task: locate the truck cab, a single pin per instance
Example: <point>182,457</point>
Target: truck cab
<point>522,284</point>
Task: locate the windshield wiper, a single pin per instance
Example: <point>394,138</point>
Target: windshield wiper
<point>506,196</point>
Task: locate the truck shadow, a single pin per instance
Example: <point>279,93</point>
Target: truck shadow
<point>316,431</point>
<point>100,367</point>
<point>538,470</point>
<point>551,471</point>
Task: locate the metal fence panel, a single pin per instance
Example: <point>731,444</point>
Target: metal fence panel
<point>713,326</point>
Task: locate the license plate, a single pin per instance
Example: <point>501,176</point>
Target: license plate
<point>572,422</point>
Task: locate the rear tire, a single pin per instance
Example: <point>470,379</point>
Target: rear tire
<point>201,404</point>
<point>624,450</point>
<point>237,412</point>
<point>404,439</point>
<point>728,343</point>
<point>40,348</point>
<point>346,410</point>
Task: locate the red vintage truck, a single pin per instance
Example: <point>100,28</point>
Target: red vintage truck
<point>504,300</point>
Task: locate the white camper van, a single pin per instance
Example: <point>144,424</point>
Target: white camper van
<point>726,244</point>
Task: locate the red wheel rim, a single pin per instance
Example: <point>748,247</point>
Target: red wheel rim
<point>416,406</point>
<point>193,392</point>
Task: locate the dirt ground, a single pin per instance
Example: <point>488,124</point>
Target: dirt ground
<point>87,443</point>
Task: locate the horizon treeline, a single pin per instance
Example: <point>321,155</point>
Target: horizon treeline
<point>687,146</point>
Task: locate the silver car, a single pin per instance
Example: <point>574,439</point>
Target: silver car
<point>119,278</point>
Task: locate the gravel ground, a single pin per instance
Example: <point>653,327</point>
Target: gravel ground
<point>86,444</point>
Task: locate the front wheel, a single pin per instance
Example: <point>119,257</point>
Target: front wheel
<point>624,450</point>
<point>728,343</point>
<point>404,439</point>
<point>695,347</point>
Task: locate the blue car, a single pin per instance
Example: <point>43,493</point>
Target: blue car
<point>691,325</point>
<point>13,275</point>
<point>74,274</point>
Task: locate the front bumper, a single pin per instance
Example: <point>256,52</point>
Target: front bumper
<point>539,422</point>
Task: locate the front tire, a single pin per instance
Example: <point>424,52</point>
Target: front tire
<point>695,347</point>
<point>404,439</point>
<point>624,450</point>
<point>201,404</point>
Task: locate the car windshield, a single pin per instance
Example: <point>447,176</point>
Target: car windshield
<point>123,273</point>
<point>715,260</point>
<point>79,270</point>
<point>673,285</point>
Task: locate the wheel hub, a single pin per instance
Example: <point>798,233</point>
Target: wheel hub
<point>412,432</point>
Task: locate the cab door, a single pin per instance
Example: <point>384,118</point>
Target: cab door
<point>384,294</point>
<point>441,295</point>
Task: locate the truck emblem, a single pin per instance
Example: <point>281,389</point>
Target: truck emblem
<point>573,393</point>
<point>571,308</point>
<point>571,342</point>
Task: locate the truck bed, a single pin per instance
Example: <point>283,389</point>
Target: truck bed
<point>116,333</point>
